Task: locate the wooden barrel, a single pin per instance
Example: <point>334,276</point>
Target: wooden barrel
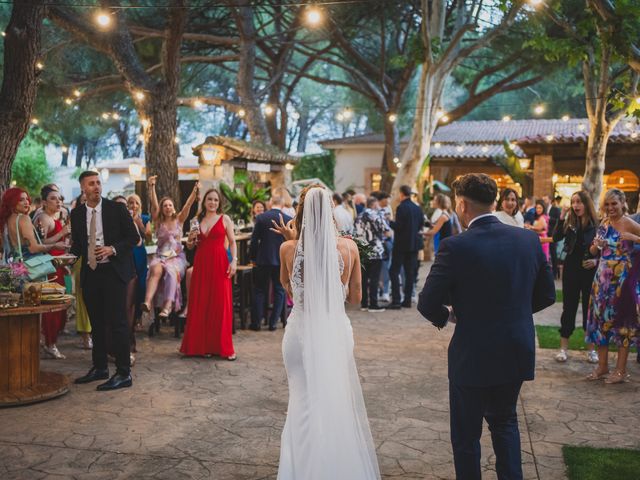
<point>19,364</point>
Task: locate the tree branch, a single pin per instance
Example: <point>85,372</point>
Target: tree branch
<point>195,37</point>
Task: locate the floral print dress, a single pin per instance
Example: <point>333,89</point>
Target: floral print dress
<point>615,294</point>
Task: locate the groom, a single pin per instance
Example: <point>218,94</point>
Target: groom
<point>494,277</point>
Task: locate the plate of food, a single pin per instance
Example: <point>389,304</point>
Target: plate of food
<point>51,288</point>
<point>64,260</point>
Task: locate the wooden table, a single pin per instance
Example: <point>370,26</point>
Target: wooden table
<point>21,381</point>
<point>242,241</point>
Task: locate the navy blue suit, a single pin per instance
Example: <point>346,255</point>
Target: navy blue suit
<point>265,253</point>
<point>406,244</point>
<point>495,277</point>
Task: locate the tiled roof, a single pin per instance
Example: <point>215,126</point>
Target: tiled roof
<point>251,151</point>
<point>496,131</point>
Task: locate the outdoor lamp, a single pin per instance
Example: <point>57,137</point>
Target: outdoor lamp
<point>211,154</point>
<point>525,163</point>
<point>135,170</point>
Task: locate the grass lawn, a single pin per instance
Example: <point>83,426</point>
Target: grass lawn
<point>586,463</point>
<point>549,337</point>
<point>559,296</point>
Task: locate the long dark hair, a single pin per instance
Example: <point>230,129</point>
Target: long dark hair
<point>589,218</point>
<point>544,207</point>
<point>504,194</point>
<point>203,210</point>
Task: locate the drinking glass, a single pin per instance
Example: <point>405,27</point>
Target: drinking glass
<point>240,224</point>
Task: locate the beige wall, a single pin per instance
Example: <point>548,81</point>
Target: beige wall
<point>352,165</point>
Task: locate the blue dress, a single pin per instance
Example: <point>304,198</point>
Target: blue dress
<point>140,261</point>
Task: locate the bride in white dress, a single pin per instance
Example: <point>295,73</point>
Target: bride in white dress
<point>326,435</point>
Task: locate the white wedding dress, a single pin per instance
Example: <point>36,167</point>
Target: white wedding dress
<point>326,435</point>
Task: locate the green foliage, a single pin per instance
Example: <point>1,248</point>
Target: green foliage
<point>549,337</point>
<point>238,201</point>
<point>320,165</point>
<point>30,169</point>
<point>587,463</point>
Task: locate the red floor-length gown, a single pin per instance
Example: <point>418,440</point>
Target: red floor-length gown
<point>209,321</point>
<point>53,323</point>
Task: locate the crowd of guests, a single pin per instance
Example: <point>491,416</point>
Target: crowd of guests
<point>594,253</point>
<point>598,255</point>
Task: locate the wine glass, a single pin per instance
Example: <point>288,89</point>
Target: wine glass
<point>240,224</point>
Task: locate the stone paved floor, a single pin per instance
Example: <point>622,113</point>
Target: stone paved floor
<point>207,418</point>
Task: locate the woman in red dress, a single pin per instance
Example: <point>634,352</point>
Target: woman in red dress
<point>53,231</point>
<point>210,315</point>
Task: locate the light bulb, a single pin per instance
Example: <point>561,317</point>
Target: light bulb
<point>115,116</point>
<point>268,110</point>
<point>444,119</point>
<point>77,93</point>
<point>539,109</point>
<point>313,16</point>
<point>506,118</point>
<point>392,117</point>
<point>68,101</point>
<point>35,121</point>
<point>139,95</point>
<point>241,113</point>
<point>438,145</point>
<point>197,103</point>
<point>565,118</point>
<point>103,19</point>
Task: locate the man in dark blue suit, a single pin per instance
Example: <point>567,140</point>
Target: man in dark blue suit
<point>265,255</point>
<point>407,241</point>
<point>489,281</point>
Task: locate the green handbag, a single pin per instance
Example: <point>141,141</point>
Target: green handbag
<point>40,266</point>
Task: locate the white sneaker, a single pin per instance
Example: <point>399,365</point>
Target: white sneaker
<point>561,356</point>
<point>592,356</point>
<point>364,309</point>
<point>376,310</point>
<point>385,298</point>
<point>53,352</point>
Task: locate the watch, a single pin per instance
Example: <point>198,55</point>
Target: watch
<point>114,251</point>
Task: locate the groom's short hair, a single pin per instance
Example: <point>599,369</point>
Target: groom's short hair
<point>477,187</point>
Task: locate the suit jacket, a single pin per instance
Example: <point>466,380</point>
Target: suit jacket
<point>409,221</point>
<point>265,244</point>
<point>554,219</point>
<point>119,233</point>
<point>495,277</point>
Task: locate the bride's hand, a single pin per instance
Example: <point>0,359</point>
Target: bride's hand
<point>288,230</point>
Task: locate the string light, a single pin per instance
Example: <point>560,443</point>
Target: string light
<point>485,149</point>
<point>40,66</point>
<point>35,121</point>
<point>176,140</point>
<point>539,109</point>
<point>77,93</point>
<point>565,118</point>
<point>295,115</point>
<point>506,118</point>
<point>68,101</point>
<point>197,103</point>
<point>105,116</point>
<point>399,164</point>
<point>115,116</point>
<point>4,34</point>
<point>535,3</point>
<point>549,138</point>
<point>438,145</point>
<point>313,16</point>
<point>139,95</point>
<point>103,19</point>
<point>392,117</point>
<point>241,113</point>
<point>340,117</point>
<point>396,160</point>
<point>145,122</point>
<point>65,149</point>
<point>268,110</point>
<point>459,148</point>
<point>288,166</point>
<point>444,119</point>
<point>347,113</point>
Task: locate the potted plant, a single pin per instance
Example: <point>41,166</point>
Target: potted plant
<point>239,201</point>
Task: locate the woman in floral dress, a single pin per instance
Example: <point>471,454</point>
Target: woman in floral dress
<point>615,295</point>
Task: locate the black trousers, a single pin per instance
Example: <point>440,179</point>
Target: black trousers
<point>105,295</point>
<point>370,283</point>
<point>497,404</point>
<point>408,261</point>
<point>576,283</point>
<point>262,275</point>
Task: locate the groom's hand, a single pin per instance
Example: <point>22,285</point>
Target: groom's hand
<point>452,316</point>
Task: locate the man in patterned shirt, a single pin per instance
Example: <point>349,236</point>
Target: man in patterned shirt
<point>371,228</point>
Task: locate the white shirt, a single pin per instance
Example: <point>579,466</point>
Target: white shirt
<point>99,229</point>
<point>478,218</point>
<point>516,220</point>
<point>344,219</point>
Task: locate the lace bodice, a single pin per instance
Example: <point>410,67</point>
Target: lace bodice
<point>297,275</point>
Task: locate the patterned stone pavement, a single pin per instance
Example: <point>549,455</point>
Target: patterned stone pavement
<point>209,418</point>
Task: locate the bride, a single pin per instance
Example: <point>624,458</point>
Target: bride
<point>326,435</point>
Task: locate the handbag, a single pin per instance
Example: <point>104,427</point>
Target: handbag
<point>561,250</point>
<point>40,266</point>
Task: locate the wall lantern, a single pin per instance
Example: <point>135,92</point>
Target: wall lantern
<point>135,170</point>
<point>211,154</point>
<point>525,163</point>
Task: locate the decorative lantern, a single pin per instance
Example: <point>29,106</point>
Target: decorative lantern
<point>211,154</point>
<point>135,170</point>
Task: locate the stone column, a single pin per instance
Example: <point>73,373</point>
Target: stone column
<point>224,173</point>
<point>206,177</point>
<point>543,175</point>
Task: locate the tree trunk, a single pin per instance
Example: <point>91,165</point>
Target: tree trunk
<point>595,161</point>
<point>80,152</point>
<point>160,149</point>
<point>20,80</point>
<point>122,132</point>
<point>246,71</point>
<point>303,132</point>
<point>391,151</point>
<point>424,126</point>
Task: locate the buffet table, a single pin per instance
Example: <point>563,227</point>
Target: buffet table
<point>21,381</point>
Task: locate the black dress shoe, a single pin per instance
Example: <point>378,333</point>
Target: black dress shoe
<point>254,328</point>
<point>406,304</point>
<point>115,382</point>
<point>271,329</point>
<point>93,375</point>
<point>394,306</point>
